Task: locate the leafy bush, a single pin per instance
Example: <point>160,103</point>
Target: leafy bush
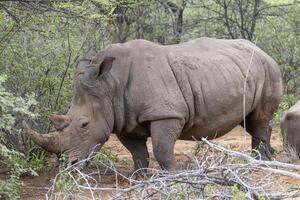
<point>10,188</point>
<point>18,165</point>
<point>12,111</point>
<point>237,193</point>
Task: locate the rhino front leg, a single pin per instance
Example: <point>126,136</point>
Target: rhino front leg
<point>164,134</point>
<point>138,150</point>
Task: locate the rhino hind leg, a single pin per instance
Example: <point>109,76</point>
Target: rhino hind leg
<point>257,125</point>
<point>139,152</point>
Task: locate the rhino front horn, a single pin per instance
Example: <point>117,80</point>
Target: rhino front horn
<point>49,141</point>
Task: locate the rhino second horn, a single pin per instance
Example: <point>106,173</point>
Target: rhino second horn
<point>59,121</point>
<point>49,141</point>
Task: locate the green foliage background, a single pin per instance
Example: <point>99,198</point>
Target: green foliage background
<point>41,41</point>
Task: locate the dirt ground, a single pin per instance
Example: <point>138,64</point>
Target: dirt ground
<point>36,187</point>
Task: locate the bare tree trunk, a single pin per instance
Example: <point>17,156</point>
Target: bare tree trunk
<point>179,22</point>
<point>238,16</point>
<point>254,18</point>
<point>177,11</point>
<point>121,24</point>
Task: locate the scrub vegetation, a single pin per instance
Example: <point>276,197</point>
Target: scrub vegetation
<point>42,40</point>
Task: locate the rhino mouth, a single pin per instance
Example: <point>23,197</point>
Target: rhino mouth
<point>84,162</point>
<point>85,159</point>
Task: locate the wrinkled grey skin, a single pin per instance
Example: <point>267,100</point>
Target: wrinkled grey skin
<point>290,128</point>
<point>140,89</point>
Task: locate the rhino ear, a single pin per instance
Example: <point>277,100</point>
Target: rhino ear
<point>96,71</point>
<point>105,66</point>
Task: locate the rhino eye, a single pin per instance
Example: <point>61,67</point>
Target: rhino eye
<point>84,124</point>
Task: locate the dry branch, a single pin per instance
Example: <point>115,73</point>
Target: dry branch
<point>213,176</point>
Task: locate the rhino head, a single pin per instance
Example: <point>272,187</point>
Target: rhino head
<point>89,121</point>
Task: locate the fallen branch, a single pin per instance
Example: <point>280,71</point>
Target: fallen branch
<point>217,173</point>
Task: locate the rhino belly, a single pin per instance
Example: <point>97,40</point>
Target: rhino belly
<point>211,129</point>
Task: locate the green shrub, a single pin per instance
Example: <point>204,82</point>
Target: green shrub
<point>12,111</point>
<point>237,194</point>
<point>18,164</point>
<point>10,188</point>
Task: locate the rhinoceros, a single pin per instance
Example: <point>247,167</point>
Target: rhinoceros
<point>186,91</point>
<point>290,127</point>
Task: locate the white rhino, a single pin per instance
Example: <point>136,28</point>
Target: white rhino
<point>290,127</point>
<point>186,91</point>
